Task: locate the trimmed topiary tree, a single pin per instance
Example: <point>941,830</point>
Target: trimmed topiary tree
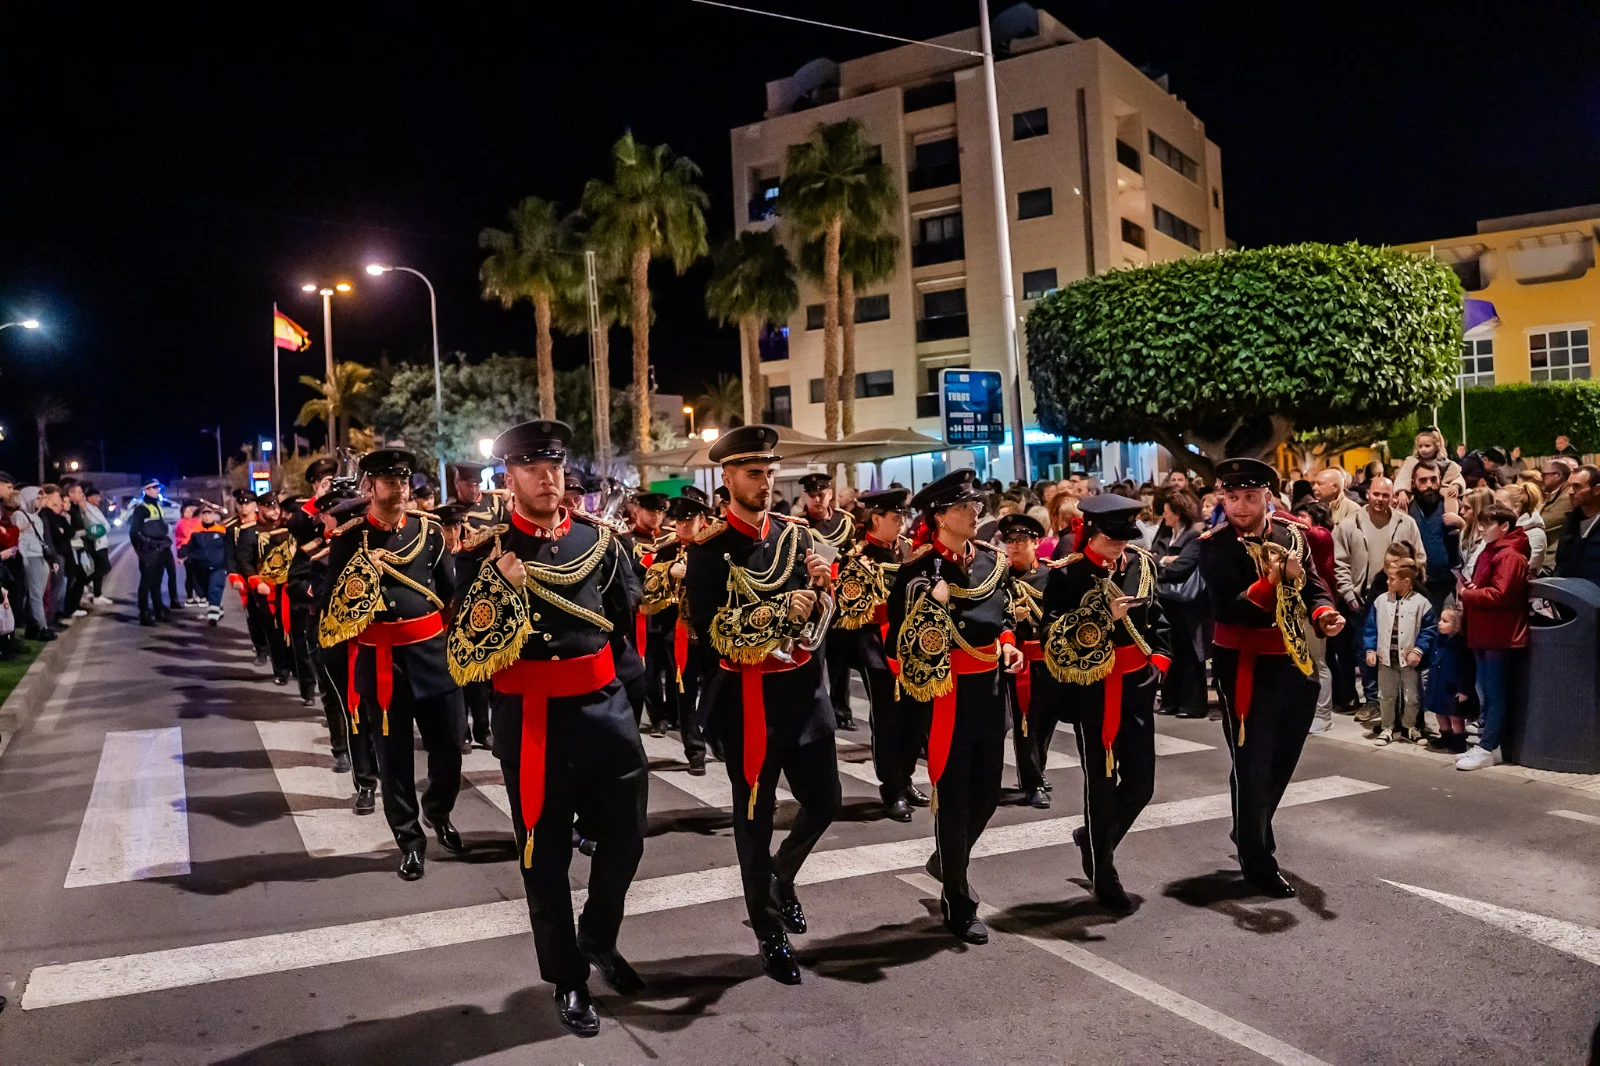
<point>1235,351</point>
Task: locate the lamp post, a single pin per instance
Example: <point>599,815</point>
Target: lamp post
<point>690,412</point>
<point>376,269</point>
<point>327,351</point>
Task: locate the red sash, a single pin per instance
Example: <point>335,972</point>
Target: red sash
<point>1249,642</point>
<point>753,703</point>
<point>943,727</point>
<point>1128,658</point>
<point>1034,652</point>
<point>383,638</point>
<point>538,681</point>
<point>680,647</point>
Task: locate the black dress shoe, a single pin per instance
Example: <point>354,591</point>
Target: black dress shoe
<point>466,746</point>
<point>697,766</point>
<point>341,763</point>
<point>790,912</point>
<point>899,810</point>
<point>971,931</point>
<point>279,679</point>
<point>1190,714</point>
<point>366,800</point>
<point>449,839</point>
<point>1048,787</point>
<point>1109,891</point>
<point>576,1011</point>
<point>411,866</point>
<point>616,970</point>
<point>261,658</point>
<point>1080,837</point>
<point>144,620</point>
<point>1038,799</point>
<point>485,741</point>
<point>777,960</point>
<point>1273,885</point>
<point>916,797</point>
<point>847,724</point>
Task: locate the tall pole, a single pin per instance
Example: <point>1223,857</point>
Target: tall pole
<point>218,435</point>
<point>277,409</point>
<point>1008,295</point>
<point>601,373</point>
<point>327,349</point>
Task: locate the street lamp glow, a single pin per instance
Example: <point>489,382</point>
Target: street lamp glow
<point>73,466</point>
<point>688,410</point>
<point>375,269</point>
<point>710,433</point>
<point>486,446</point>
<point>325,292</point>
<point>343,286</point>
<point>29,323</point>
<point>266,447</point>
<point>308,288</point>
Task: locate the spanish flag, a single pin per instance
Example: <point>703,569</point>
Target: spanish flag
<point>286,333</point>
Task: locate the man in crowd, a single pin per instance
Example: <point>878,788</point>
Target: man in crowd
<point>239,528</point>
<point>305,528</point>
<point>1580,548</point>
<point>1557,502</point>
<point>1328,488</point>
<point>1358,546</point>
<point>1438,517</point>
<point>1564,448</point>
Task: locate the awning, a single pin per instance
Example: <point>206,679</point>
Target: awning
<point>793,445</point>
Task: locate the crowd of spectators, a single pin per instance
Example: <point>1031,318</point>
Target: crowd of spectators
<point>54,556</point>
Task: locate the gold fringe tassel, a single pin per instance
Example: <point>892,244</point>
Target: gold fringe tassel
<point>1110,762</point>
<point>750,808</point>
<point>897,688</point>
<point>527,852</point>
<point>386,721</point>
<point>933,800</point>
<point>1241,733</point>
<point>1024,724</point>
<point>680,681</point>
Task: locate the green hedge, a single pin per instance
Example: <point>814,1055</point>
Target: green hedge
<point>1515,416</point>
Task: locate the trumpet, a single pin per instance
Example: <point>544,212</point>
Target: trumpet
<point>815,630</point>
<point>612,500</point>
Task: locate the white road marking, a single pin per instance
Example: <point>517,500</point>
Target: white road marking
<point>136,825</point>
<point>1268,1047</point>
<point>863,771</point>
<point>319,799</point>
<point>712,789</point>
<point>1165,745</point>
<point>1582,941</point>
<point>1577,816</point>
<point>109,978</point>
<point>50,717</point>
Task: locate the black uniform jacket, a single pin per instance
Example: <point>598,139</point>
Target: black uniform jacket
<point>1238,593</point>
<point>798,710</point>
<point>421,665</point>
<point>871,634</point>
<point>1134,574</point>
<point>662,622</point>
<point>309,568</point>
<point>979,622</point>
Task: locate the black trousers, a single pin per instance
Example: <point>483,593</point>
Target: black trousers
<point>1184,687</point>
<point>595,771</point>
<point>692,705</point>
<point>841,651</point>
<point>303,650</point>
<point>968,792</point>
<point>439,719</point>
<point>477,696</point>
<point>150,571</point>
<point>1112,802</point>
<point>1282,704</point>
<point>666,705</point>
<point>333,676</point>
<point>102,567</point>
<point>899,729</point>
<point>1044,711</point>
<point>271,632</point>
<point>169,566</point>
<point>1345,659</point>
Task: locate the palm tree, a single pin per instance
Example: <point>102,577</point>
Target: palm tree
<point>571,314</point>
<point>47,411</point>
<point>652,208</point>
<point>864,259</point>
<point>834,178</point>
<point>338,399</point>
<point>533,260</point>
<point>752,285</point>
<point>721,403</point>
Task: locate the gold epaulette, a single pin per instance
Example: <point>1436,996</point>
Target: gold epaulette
<point>798,520</point>
<point>1057,564</point>
<point>918,553</point>
<point>613,524</point>
<point>351,524</point>
<point>1146,552</point>
<point>473,537</point>
<point>1214,529</point>
<point>716,527</point>
<point>422,514</point>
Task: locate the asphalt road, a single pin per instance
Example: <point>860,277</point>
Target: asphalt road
<point>181,882</point>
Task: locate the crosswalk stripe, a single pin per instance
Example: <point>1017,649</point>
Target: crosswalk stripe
<point>1581,941</point>
<point>1577,816</point>
<point>712,789</point>
<point>136,825</point>
<point>109,978</point>
<point>1214,1021</point>
<point>319,800</point>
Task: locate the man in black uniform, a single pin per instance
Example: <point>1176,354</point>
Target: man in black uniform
<point>151,541</point>
<point>263,553</point>
<point>950,631</point>
<point>1107,647</point>
<point>641,540</point>
<point>1035,701</point>
<point>674,678</point>
<point>391,577</point>
<point>479,513</point>
<point>767,698</point>
<point>244,518</point>
<point>865,573</point>
<point>1262,586</point>
<point>305,529</point>
<point>836,529</point>
<point>550,603</point>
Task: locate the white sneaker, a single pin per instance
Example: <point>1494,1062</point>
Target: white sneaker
<point>1320,726</point>
<point>102,601</point>
<point>1385,736</point>
<point>80,613</point>
<point>1478,759</point>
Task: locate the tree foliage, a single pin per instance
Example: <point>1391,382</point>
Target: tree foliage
<point>752,284</point>
<point>1233,352</point>
<point>535,260</point>
<point>339,403</point>
<point>1515,416</point>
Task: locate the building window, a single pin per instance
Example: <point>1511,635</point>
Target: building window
<point>773,343</point>
<point>1129,157</point>
<point>1177,228</point>
<point>816,390</point>
<point>939,228</point>
<point>868,385</point>
<point>944,315</point>
<point>1166,153</point>
<point>1026,124</point>
<point>938,240</point>
<point>814,313</point>
<point>931,95</point>
<point>1216,198</point>
<point>1034,203</point>
<point>1036,283</point>
<point>1133,233</point>
<point>763,199</point>
<point>1477,362</point>
<point>935,163</point>
<point>780,412</point>
<point>928,405</point>
<point>872,308</point>
<point>1558,355</point>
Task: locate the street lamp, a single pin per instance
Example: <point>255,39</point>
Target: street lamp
<point>376,269</point>
<point>26,323</point>
<point>327,350</point>
<point>690,412</point>
<point>486,446</point>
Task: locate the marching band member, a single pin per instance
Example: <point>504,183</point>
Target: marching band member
<point>1035,702</point>
<point>676,678</point>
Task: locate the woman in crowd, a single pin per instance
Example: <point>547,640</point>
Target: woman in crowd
<point>1495,602</point>
<point>1474,505</point>
<point>1525,501</point>
<point>1065,521</point>
<point>1177,550</point>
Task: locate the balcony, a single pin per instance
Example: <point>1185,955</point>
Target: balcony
<point>922,97</point>
<point>933,176</point>
<point>762,208</point>
<point>930,252</point>
<point>942,328</point>
<point>1129,157</point>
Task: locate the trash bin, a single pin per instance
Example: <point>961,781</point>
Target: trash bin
<point>1557,726</point>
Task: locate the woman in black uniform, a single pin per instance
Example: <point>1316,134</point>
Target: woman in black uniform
<point>951,632</point>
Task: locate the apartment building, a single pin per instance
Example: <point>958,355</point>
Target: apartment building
<point>1533,294</point>
<point>1104,168</point>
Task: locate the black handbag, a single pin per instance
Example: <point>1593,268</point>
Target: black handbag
<point>1186,593</point>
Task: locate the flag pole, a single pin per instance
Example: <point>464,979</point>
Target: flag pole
<point>277,413</point>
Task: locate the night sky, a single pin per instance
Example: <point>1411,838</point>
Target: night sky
<point>163,179</point>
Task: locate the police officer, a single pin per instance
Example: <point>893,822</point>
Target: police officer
<point>951,633</point>
<point>674,673</point>
<point>552,598</point>
<point>1264,593</point>
<point>1035,701</point>
<point>392,577</point>
<point>244,518</point>
<point>305,529</point>
<point>1107,646</point>
<point>836,529</point>
<point>152,543</point>
<point>263,554</point>
<point>866,572</point>
<point>767,700</point>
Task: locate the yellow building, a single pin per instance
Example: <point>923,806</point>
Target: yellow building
<point>1538,273</point>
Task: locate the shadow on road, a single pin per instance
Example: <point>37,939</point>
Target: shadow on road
<point>866,957</point>
<point>219,877</point>
<point>702,820</point>
<point>1075,920</point>
<point>1224,892</point>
